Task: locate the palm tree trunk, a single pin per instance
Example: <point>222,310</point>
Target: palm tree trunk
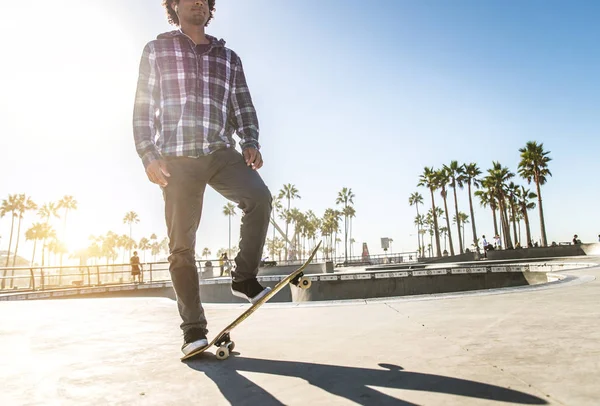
<point>495,221</point>
<point>17,243</point>
<point>12,226</point>
<point>514,215</point>
<point>32,280</point>
<point>473,219</point>
<point>346,239</point>
<point>418,228</point>
<point>505,224</point>
<point>541,210</point>
<point>460,240</point>
<point>435,226</point>
<point>287,224</point>
<point>527,228</point>
<point>448,226</point>
<point>33,255</point>
<point>12,272</point>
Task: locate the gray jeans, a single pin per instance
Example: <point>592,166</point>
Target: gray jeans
<point>227,173</point>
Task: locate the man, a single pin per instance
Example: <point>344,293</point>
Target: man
<point>192,97</point>
<point>136,267</point>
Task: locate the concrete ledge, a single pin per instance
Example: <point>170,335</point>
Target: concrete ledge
<point>423,282</point>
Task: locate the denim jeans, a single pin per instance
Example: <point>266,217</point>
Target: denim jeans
<point>226,172</point>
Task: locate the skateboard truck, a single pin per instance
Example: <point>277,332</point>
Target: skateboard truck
<point>225,345</point>
<point>301,281</point>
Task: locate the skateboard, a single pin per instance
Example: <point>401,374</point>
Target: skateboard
<point>223,339</point>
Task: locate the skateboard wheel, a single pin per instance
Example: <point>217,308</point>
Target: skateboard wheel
<point>304,283</point>
<point>230,345</point>
<point>223,352</point>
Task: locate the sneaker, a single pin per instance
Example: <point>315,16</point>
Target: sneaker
<point>250,290</point>
<point>193,339</point>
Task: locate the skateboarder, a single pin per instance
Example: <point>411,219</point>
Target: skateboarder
<point>192,95</point>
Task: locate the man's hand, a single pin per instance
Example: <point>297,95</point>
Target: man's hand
<point>157,172</point>
<point>253,158</point>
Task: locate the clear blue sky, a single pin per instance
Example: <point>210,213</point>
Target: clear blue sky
<point>349,93</point>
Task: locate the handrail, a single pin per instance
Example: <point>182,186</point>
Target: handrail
<point>36,278</point>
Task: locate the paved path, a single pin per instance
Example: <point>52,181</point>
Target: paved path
<point>523,346</point>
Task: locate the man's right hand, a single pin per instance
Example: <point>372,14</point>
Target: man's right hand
<point>157,172</point>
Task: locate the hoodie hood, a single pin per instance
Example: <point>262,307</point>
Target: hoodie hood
<point>178,33</point>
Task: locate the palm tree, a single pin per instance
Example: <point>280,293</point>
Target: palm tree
<point>295,216</point>
<point>463,218</point>
<point>497,180</point>
<point>144,245</point>
<point>345,197</point>
<point>430,180</point>
<point>206,252</point>
<point>329,228</point>
<point>38,231</point>
<point>511,193</point>
<point>289,192</point>
<point>11,206</point>
<point>47,211</point>
<point>444,231</point>
<point>471,177</point>
<point>456,173</point>
<point>415,200</point>
<point>524,198</point>
<point>534,167</point>
<point>68,203</point>
<point>444,179</point>
<point>350,211</point>
<point>229,210</point>
<point>420,222</point>
<point>130,218</point>
<point>277,206</point>
<point>24,204</point>
<point>486,199</point>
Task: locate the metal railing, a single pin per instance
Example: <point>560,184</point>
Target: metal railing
<point>37,278</point>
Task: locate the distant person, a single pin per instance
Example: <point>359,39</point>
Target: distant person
<point>191,99</point>
<point>497,243</point>
<point>224,262</point>
<point>136,267</point>
<point>574,239</point>
<point>484,243</point>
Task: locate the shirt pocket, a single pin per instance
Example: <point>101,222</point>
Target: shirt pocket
<point>177,76</point>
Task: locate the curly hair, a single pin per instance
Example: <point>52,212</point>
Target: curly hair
<point>172,17</point>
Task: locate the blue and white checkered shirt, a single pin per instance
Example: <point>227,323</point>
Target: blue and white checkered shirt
<point>190,103</point>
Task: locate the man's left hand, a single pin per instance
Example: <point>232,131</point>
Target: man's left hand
<point>253,158</point>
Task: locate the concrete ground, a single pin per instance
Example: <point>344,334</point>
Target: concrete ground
<point>531,346</point>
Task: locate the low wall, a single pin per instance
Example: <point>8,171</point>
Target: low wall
<point>357,285</point>
<point>415,285</point>
<point>311,269</point>
<point>546,252</point>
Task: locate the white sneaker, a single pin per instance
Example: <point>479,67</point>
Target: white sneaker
<point>193,339</point>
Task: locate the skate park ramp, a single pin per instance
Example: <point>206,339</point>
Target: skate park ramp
<point>530,346</point>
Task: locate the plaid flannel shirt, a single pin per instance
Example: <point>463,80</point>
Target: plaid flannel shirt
<point>190,104</point>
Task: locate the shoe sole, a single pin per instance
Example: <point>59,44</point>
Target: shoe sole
<point>191,347</point>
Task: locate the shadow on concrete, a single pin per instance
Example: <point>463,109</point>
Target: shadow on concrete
<point>348,382</point>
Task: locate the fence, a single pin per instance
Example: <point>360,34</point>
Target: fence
<point>55,277</point>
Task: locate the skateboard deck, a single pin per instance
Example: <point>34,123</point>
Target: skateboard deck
<point>223,340</point>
